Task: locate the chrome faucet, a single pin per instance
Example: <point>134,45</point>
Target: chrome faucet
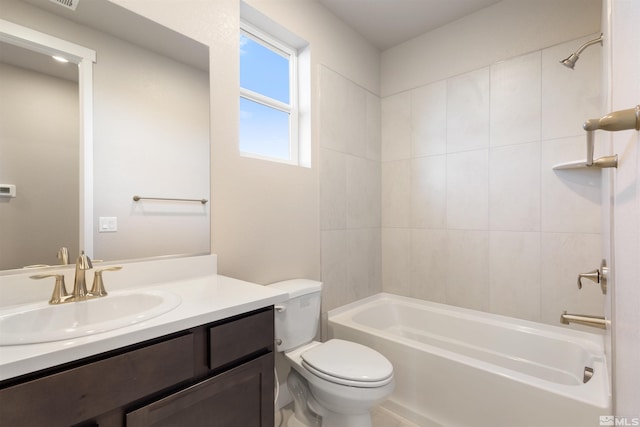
<point>83,263</point>
<point>582,319</point>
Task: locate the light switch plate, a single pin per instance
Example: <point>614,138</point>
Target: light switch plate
<point>108,224</point>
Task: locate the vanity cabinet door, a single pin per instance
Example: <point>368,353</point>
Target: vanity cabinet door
<point>82,393</point>
<point>240,397</point>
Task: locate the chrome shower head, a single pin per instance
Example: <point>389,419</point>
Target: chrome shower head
<point>571,60</point>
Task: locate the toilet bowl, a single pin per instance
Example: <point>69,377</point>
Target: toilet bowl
<point>336,383</point>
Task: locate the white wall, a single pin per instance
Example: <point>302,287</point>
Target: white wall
<point>625,93</point>
<point>472,213</point>
<point>38,154</point>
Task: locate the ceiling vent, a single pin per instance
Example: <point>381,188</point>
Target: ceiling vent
<point>69,4</point>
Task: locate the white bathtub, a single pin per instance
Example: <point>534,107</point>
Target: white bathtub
<point>456,367</point>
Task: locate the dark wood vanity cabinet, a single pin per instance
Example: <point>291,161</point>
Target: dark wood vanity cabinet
<point>214,375</point>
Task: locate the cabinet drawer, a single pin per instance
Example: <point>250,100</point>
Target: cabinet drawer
<point>240,337</point>
<point>78,394</point>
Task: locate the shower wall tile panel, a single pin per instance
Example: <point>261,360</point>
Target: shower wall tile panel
<point>396,260</point>
<point>514,264</point>
<point>468,190</point>
<point>350,190</point>
<point>363,192</point>
<point>428,272</point>
<point>333,189</point>
<point>468,111</point>
<point>514,187</point>
<point>334,268</point>
<point>515,100</point>
<point>373,127</point>
<point>429,120</point>
<point>472,212</point>
<point>467,263</point>
<point>428,196</point>
<point>364,259</point>
<point>396,127</point>
<point>396,193</point>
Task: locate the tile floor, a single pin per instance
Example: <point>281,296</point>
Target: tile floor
<point>381,417</point>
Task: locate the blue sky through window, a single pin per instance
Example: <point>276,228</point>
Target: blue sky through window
<point>264,130</point>
<point>264,71</point>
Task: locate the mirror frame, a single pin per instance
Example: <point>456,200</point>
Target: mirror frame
<point>28,38</point>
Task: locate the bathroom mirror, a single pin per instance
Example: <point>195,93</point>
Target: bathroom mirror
<point>147,134</point>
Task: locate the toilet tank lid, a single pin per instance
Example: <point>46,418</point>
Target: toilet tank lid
<point>298,287</point>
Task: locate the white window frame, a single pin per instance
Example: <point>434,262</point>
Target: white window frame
<point>292,108</point>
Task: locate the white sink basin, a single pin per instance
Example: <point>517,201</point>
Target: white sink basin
<point>42,322</point>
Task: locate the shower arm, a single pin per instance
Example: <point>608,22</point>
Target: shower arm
<point>618,120</point>
<point>587,44</point>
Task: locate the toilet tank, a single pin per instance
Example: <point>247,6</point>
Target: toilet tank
<point>297,319</point>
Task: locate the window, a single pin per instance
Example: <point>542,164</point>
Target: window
<point>269,111</point>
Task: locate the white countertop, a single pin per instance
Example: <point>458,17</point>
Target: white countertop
<point>205,299</point>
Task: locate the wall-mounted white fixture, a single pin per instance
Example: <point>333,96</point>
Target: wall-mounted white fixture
<point>618,120</point>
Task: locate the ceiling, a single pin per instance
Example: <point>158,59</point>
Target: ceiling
<point>386,23</point>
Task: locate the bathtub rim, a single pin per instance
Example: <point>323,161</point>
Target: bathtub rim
<point>596,392</point>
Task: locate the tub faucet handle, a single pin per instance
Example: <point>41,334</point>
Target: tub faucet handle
<point>598,276</point>
<point>594,276</point>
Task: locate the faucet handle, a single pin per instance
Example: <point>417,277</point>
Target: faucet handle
<point>59,290</point>
<point>598,276</point>
<point>97,289</point>
<point>594,276</point>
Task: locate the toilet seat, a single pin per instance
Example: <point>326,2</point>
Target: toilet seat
<point>348,363</point>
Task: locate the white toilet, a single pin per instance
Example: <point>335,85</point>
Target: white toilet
<point>333,384</point>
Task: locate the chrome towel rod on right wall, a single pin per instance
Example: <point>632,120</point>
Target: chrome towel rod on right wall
<point>618,120</point>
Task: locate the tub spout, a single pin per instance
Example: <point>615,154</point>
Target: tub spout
<point>581,319</point>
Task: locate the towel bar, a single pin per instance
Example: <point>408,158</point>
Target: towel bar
<point>138,198</point>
